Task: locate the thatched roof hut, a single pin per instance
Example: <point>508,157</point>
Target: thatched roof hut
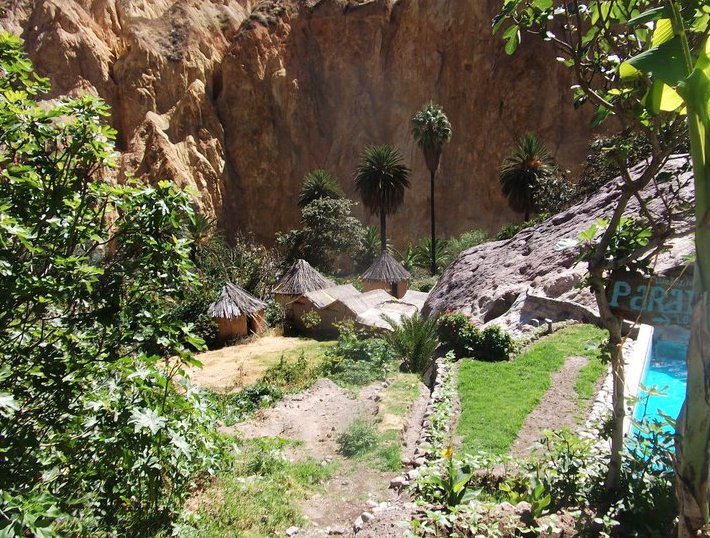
<point>299,279</point>
<point>237,312</point>
<point>386,273</point>
<point>329,305</point>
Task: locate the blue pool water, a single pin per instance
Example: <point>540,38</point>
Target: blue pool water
<point>666,372</point>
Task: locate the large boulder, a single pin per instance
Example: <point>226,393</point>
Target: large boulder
<point>519,281</point>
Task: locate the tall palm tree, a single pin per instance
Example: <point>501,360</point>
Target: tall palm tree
<point>522,171</point>
<point>319,184</point>
<point>381,179</point>
<point>431,129</point>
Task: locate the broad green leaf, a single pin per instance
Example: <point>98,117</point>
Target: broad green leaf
<point>695,90</point>
<point>542,5</point>
<point>147,419</point>
<point>664,62</point>
<point>650,15</point>
<point>512,39</point>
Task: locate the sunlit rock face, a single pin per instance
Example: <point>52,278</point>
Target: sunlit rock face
<point>536,274</point>
<point>239,99</point>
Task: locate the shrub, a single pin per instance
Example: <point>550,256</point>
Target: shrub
<point>358,439</point>
<point>274,314</point>
<point>511,230</point>
<point>357,358</point>
<point>328,230</point>
<point>457,333</point>
<point>100,435</point>
<point>413,340</point>
<point>493,344</point>
<point>289,375</point>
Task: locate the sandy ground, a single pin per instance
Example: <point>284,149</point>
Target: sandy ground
<point>234,366</point>
<point>557,408</point>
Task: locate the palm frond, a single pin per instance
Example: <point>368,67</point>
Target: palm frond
<point>317,185</point>
<point>381,179</point>
<point>431,129</point>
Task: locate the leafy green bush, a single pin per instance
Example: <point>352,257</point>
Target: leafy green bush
<point>493,344</point>
<point>328,230</point>
<point>425,284</point>
<point>457,333</point>
<point>359,438</point>
<point>413,340</point>
<point>456,245</point>
<point>274,314</point>
<point>290,376</point>
<point>100,435</point>
<point>357,358</point>
<point>237,406</point>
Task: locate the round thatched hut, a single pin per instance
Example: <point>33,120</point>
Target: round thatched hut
<point>299,279</point>
<point>387,274</point>
<point>237,313</point>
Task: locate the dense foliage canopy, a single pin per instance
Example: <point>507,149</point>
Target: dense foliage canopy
<point>99,430</point>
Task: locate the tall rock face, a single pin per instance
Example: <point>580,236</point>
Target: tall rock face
<point>240,99</point>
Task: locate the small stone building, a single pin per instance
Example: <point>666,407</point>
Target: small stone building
<point>237,313</point>
<point>387,274</point>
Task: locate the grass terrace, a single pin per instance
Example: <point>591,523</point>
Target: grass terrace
<point>497,396</point>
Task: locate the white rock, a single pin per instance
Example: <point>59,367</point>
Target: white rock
<point>292,531</point>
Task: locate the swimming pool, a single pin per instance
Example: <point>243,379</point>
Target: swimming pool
<point>666,371</point>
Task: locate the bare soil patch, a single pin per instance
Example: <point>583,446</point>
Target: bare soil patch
<point>557,408</point>
<point>243,364</point>
<point>315,418</point>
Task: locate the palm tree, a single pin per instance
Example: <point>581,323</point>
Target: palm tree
<point>522,171</point>
<point>319,184</point>
<point>431,129</point>
<point>381,180</point>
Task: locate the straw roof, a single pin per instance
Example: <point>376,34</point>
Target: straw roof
<point>416,298</point>
<point>301,278</point>
<point>234,302</point>
<point>386,269</point>
<point>365,301</point>
<point>395,310</point>
<point>327,296</point>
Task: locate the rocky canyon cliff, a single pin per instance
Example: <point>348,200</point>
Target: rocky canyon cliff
<point>240,99</point>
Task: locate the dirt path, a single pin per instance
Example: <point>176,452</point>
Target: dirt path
<point>316,417</point>
<point>556,410</point>
<point>233,366</point>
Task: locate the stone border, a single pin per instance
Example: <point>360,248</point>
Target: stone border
<point>436,424</point>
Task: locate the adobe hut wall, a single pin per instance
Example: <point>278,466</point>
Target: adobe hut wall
<point>397,290</point>
<point>284,299</point>
<point>229,328</point>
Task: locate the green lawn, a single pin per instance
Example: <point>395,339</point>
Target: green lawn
<point>497,396</point>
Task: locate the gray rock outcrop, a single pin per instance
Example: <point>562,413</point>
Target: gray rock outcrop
<point>529,277</point>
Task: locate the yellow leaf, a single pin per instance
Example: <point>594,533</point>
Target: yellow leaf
<point>628,71</point>
<point>662,33</point>
<point>670,100</point>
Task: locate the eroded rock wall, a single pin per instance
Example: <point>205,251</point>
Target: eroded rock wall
<point>239,99</point>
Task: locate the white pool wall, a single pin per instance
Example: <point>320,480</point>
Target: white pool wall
<point>636,365</point>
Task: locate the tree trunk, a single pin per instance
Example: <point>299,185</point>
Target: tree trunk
<point>433,226</point>
<point>693,445</point>
<point>383,231</point>
<point>614,325</point>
